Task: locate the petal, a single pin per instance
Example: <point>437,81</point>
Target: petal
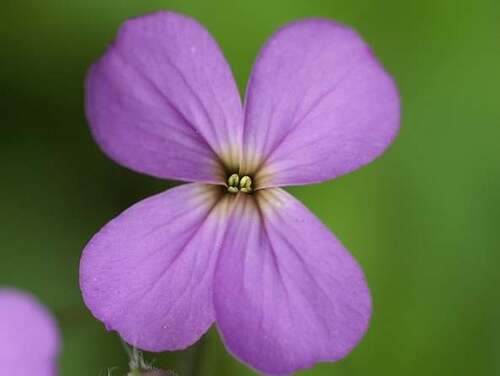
<point>148,273</point>
<point>318,105</point>
<point>287,294</point>
<point>162,100</point>
<point>29,338</point>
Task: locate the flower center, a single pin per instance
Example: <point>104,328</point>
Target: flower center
<point>236,184</point>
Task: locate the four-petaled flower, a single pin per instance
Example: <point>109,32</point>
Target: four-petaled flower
<point>29,337</point>
<point>232,247</point>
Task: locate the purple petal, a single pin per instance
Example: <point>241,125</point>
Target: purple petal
<point>162,100</point>
<point>318,105</point>
<point>148,273</point>
<point>287,294</point>
<point>29,338</point>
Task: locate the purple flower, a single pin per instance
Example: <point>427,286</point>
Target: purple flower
<point>29,338</point>
<point>232,247</point>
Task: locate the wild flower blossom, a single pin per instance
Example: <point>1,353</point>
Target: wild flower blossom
<point>231,247</point>
<point>29,338</point>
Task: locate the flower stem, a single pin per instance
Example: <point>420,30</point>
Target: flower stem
<point>136,361</point>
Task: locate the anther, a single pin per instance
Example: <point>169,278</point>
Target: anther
<point>233,180</point>
<point>246,184</point>
<point>235,184</point>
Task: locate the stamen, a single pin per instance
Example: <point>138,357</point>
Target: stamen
<point>233,180</point>
<point>235,184</point>
<point>246,184</point>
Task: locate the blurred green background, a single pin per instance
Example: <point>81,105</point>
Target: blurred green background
<point>423,220</point>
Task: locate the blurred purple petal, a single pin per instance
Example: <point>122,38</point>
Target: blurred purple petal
<point>29,337</point>
<point>163,101</point>
<point>287,294</point>
<point>148,273</point>
<point>318,105</point>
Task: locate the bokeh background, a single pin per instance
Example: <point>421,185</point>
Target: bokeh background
<point>423,220</point>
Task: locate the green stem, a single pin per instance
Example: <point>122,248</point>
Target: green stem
<point>136,361</point>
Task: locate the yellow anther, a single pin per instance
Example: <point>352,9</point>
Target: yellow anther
<point>235,184</point>
<point>246,184</point>
<point>233,180</point>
